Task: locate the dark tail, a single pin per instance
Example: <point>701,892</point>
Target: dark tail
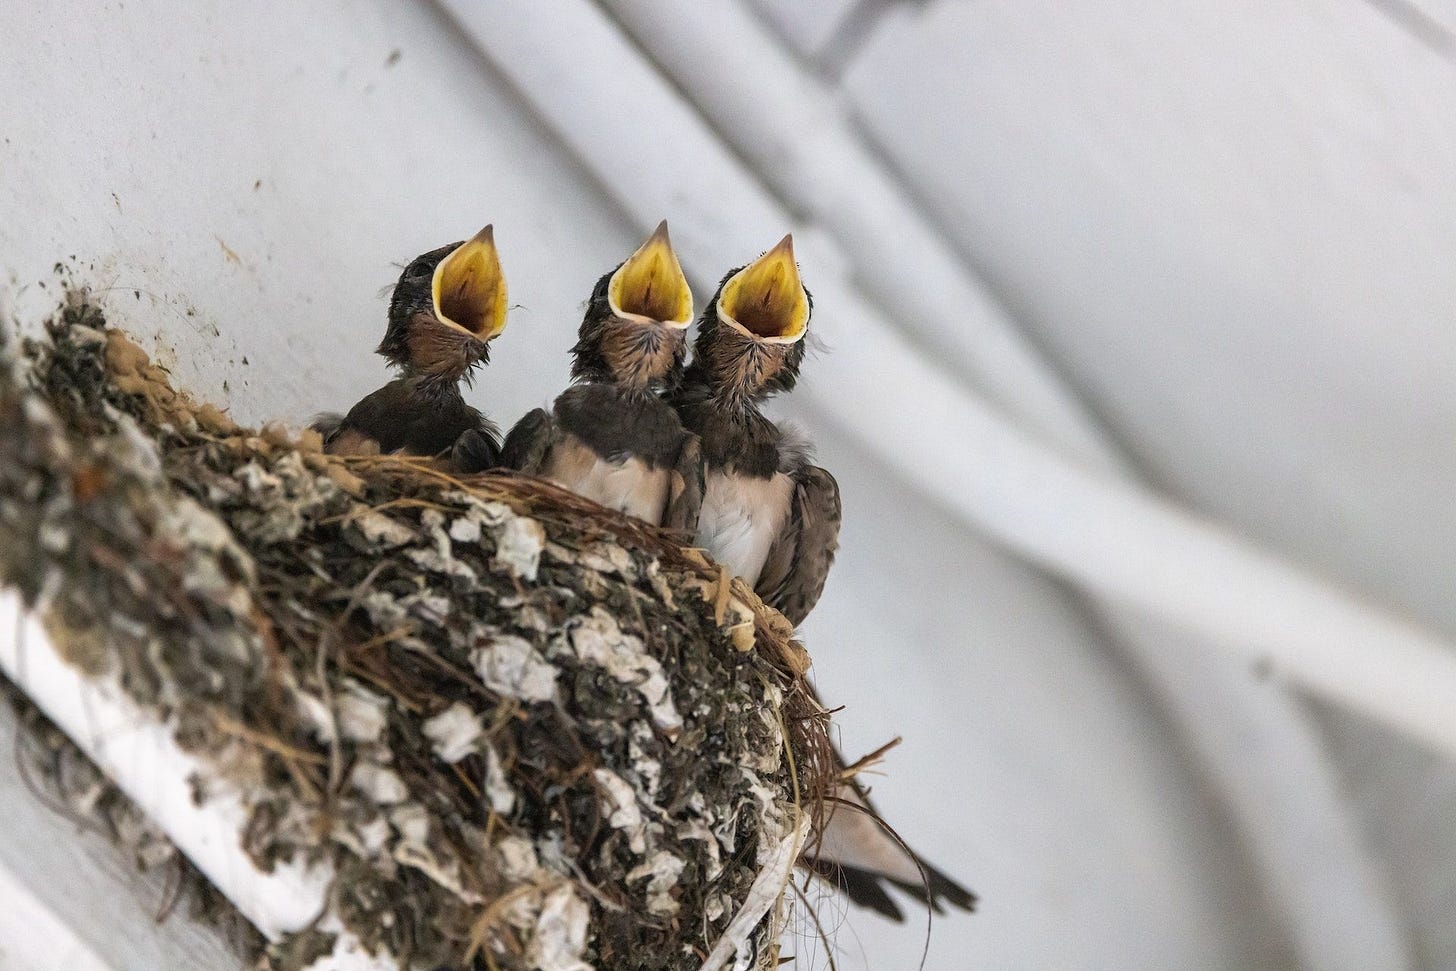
<point>867,889</point>
<point>860,853</point>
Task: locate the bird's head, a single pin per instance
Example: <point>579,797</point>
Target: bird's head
<point>751,335</point>
<point>448,305</point>
<point>635,327</point>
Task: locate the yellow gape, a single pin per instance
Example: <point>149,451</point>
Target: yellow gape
<point>765,299</point>
<point>469,289</point>
<point>651,284</point>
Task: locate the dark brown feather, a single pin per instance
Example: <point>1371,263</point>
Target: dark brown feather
<point>685,497</point>
<point>410,415</point>
<point>619,423</point>
<point>798,563</point>
<point>862,887</point>
<point>528,442</point>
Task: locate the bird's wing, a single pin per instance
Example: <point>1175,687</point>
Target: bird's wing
<point>398,418</point>
<point>798,562</point>
<point>342,438</point>
<point>360,431</point>
<point>527,444</point>
<point>476,450</point>
<point>859,853</point>
<point>685,493</point>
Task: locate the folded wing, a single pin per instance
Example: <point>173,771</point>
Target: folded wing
<point>799,560</point>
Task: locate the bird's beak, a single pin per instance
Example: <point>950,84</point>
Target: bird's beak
<point>651,284</point>
<point>469,289</point>
<point>765,299</point>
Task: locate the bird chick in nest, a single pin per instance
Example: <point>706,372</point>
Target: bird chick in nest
<point>449,304</point>
<point>610,437</point>
<point>772,517</point>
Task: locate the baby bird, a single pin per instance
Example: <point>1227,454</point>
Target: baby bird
<point>610,437</point>
<point>767,513</point>
<point>772,517</point>
<point>447,307</point>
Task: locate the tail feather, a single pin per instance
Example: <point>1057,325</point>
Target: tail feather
<point>861,854</point>
<point>939,890</point>
<point>865,888</point>
<point>862,887</point>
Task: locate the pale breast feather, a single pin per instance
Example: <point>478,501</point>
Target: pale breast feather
<point>629,485</point>
<point>741,516</point>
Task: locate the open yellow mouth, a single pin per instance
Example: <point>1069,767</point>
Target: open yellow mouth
<point>651,284</point>
<point>469,289</point>
<point>765,299</point>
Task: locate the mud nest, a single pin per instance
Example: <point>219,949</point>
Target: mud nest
<point>524,731</point>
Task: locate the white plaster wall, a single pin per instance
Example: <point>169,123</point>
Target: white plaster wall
<point>256,171</point>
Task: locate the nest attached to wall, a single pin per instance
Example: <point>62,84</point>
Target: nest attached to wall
<point>524,731</point>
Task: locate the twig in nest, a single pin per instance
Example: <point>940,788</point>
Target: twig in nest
<point>867,762</point>
<point>263,740</point>
<point>492,915</point>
